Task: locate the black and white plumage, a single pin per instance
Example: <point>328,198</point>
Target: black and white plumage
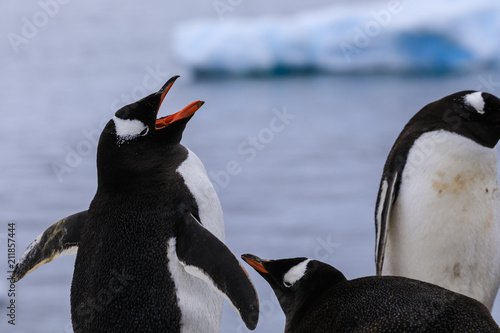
<point>438,208</point>
<point>317,298</point>
<point>150,251</point>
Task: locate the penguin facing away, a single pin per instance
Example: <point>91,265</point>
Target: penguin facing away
<point>150,251</point>
<point>317,298</point>
<point>438,207</point>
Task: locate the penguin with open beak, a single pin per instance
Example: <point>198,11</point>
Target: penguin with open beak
<point>150,248</point>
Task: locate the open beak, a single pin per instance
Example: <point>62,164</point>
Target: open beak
<point>166,87</point>
<point>255,262</point>
<point>188,111</point>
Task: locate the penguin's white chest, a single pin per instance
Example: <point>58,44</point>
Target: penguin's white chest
<point>445,223</point>
<point>198,182</point>
<point>200,304</point>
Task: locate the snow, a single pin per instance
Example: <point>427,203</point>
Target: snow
<point>392,36</point>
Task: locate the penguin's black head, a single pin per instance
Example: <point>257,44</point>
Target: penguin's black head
<point>294,280</point>
<point>135,142</point>
<point>473,114</point>
<point>138,120</point>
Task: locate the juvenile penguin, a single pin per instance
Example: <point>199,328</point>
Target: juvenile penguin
<point>150,251</point>
<point>317,298</point>
<point>438,208</point>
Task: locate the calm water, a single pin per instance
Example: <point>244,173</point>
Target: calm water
<point>308,190</point>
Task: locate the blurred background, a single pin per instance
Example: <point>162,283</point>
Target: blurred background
<point>304,98</point>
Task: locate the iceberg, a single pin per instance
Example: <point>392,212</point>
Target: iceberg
<point>385,36</point>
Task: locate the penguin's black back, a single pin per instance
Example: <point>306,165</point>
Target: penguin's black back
<point>389,304</point>
<point>121,281</point>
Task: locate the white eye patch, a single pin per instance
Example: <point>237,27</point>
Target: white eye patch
<point>127,129</point>
<point>295,273</point>
<point>476,101</point>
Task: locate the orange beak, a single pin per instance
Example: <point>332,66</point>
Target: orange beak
<point>184,113</point>
<point>254,263</point>
<point>188,111</point>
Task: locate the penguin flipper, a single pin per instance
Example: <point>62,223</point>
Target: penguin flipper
<point>386,197</point>
<point>205,256</point>
<point>59,239</point>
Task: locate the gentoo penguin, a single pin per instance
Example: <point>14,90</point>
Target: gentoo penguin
<point>438,208</point>
<point>317,298</point>
<point>150,251</point>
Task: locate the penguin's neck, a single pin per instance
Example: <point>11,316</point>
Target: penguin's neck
<point>146,171</point>
<point>312,291</point>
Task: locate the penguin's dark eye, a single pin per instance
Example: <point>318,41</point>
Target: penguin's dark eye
<point>144,131</point>
<point>287,284</point>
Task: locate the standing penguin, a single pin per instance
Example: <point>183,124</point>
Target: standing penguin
<point>150,251</point>
<point>317,298</point>
<point>438,208</point>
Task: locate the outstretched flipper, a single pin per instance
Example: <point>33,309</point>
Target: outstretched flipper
<point>385,200</point>
<point>59,239</point>
<point>206,257</point>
